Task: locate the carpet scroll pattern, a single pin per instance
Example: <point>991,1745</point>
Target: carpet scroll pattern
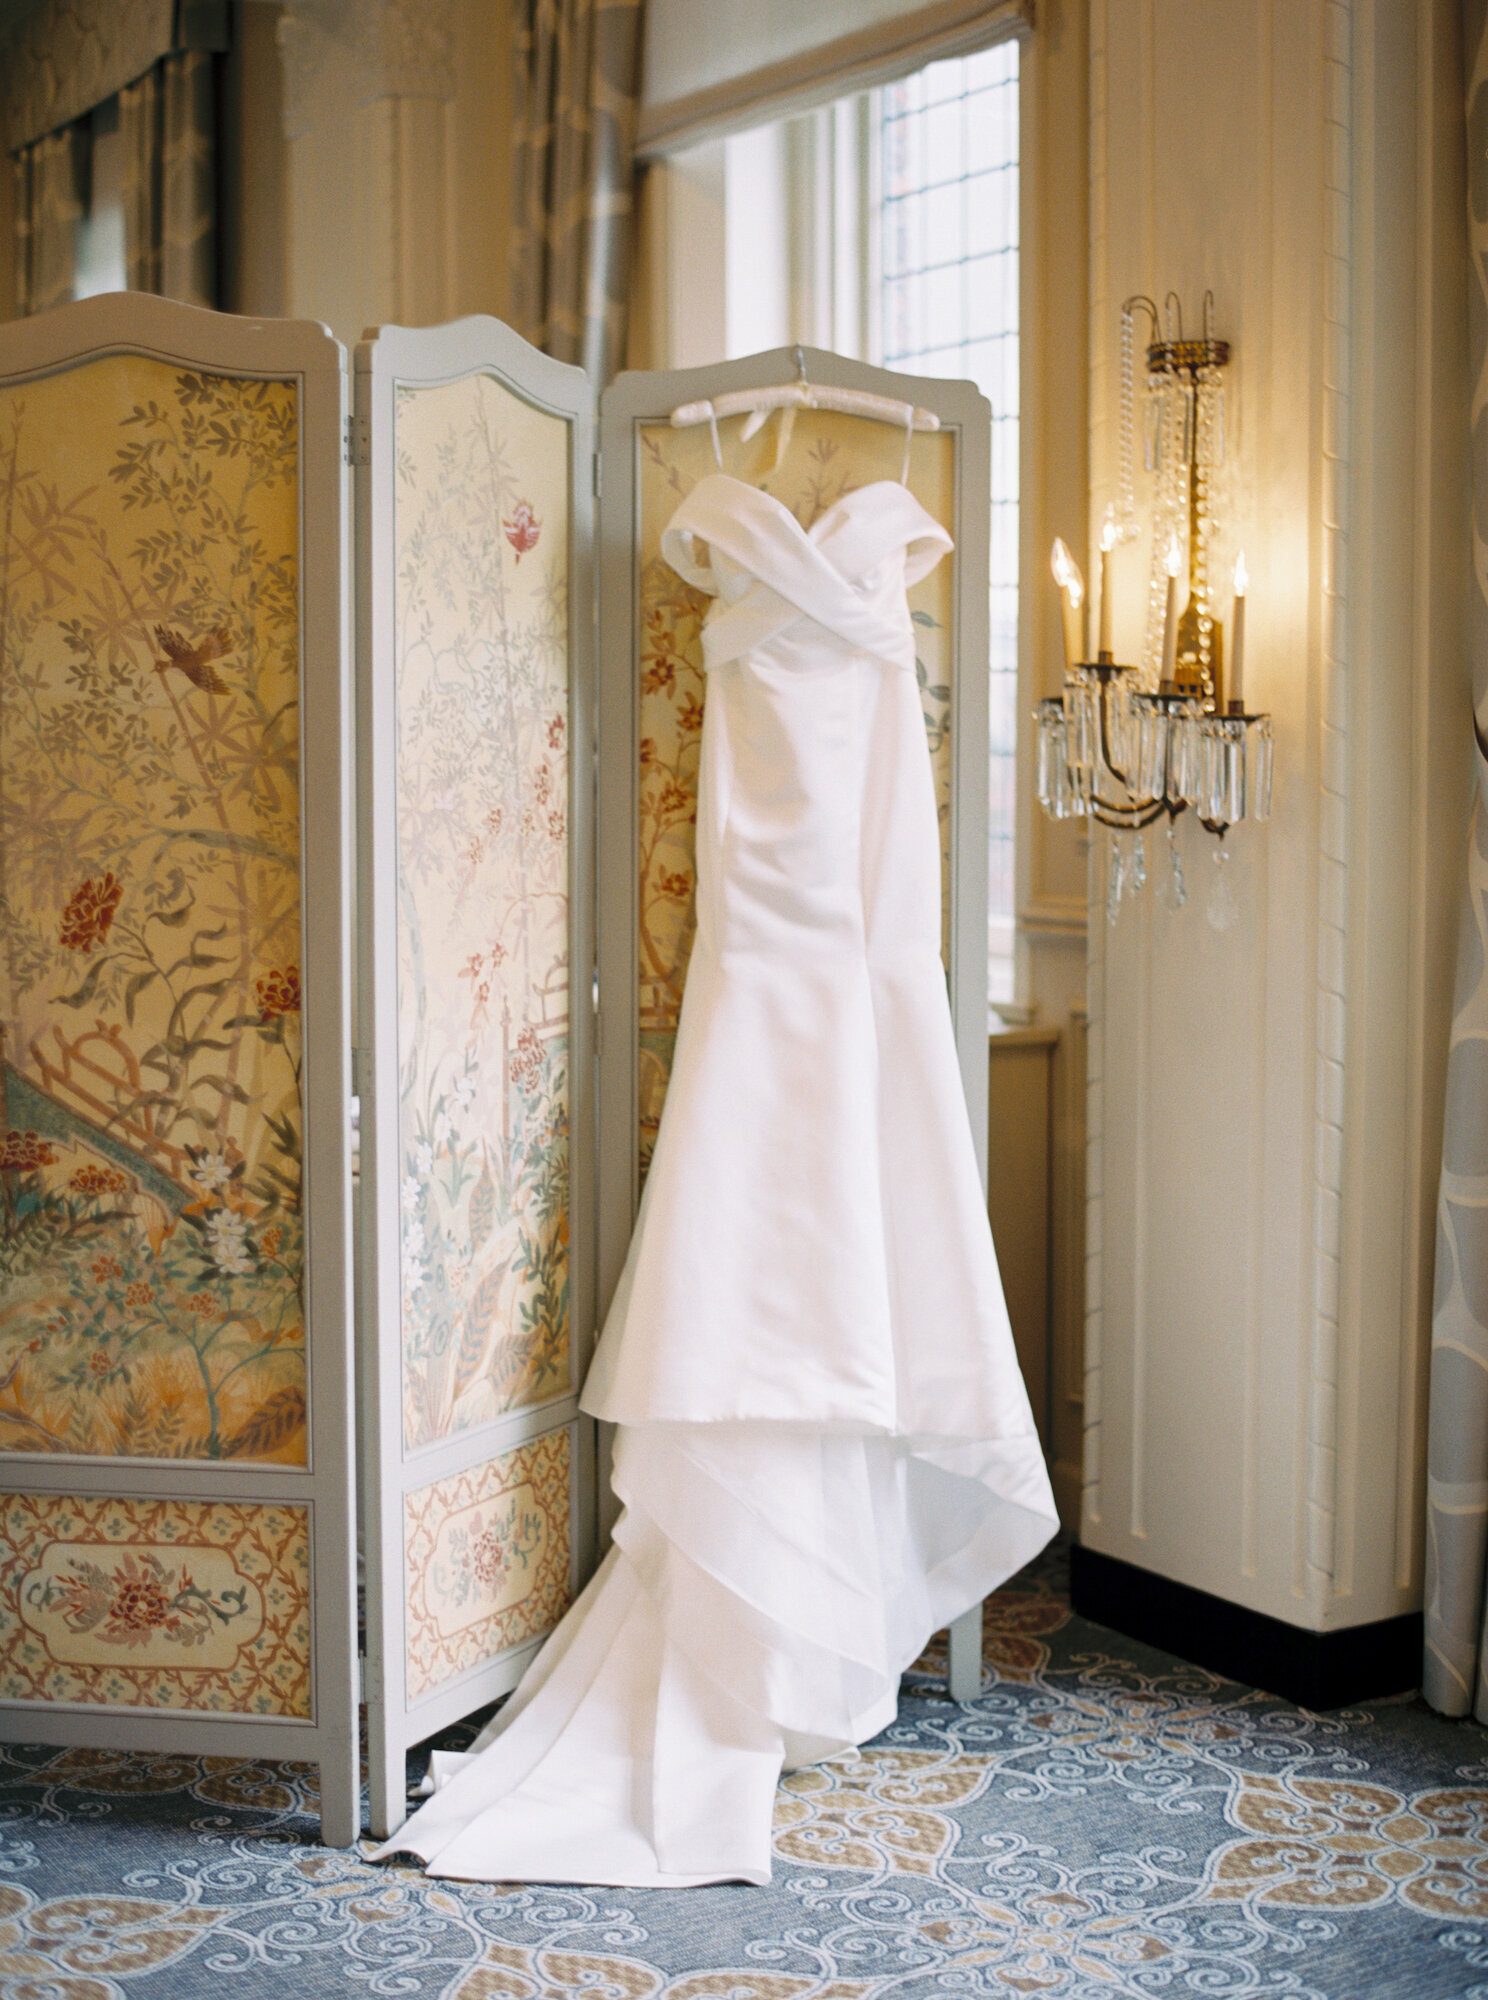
<point>1103,1820</point>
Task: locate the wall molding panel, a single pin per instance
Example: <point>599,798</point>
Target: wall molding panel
<point>1260,1104</point>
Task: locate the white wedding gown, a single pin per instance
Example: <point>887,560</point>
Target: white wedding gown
<point>824,1447</point>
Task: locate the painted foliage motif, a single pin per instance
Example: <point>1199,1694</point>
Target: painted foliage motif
<point>155,1604</point>
<point>829,455</point>
<point>150,1220</point>
<point>487,1555</point>
<point>483,978</point>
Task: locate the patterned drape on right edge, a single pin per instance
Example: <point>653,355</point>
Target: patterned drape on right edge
<point>1455,1669</point>
<point>578,83</point>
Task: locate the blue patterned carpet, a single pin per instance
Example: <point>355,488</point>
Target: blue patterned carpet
<point>1103,1821</point>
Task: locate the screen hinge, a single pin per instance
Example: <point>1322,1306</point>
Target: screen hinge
<point>358,442</point>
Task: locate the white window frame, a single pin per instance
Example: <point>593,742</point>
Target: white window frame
<point>766,237</point>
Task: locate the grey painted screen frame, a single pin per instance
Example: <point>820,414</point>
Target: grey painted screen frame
<point>387,358</point>
<point>137,323</point>
<point>631,401</point>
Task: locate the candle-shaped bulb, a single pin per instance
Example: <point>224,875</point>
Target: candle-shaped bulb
<point>1237,636</point>
<point>1108,538</point>
<point>1072,592</point>
<point>1172,563</point>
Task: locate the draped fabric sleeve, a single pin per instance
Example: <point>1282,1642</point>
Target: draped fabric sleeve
<point>688,556</point>
<point>847,573</point>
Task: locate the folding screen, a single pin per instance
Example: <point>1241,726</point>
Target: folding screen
<point>475,621</point>
<point>176,1554</point>
<point>176,1568</point>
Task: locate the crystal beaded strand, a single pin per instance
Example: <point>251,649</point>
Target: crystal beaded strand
<point>1126,504</point>
<point>1117,880</point>
<point>1169,512</point>
<point>1176,890</point>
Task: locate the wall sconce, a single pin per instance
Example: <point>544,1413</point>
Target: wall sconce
<point>1126,745</point>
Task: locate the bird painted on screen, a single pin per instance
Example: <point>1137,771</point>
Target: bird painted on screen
<point>194,661</point>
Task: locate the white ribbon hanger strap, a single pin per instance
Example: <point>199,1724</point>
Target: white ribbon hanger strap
<point>788,397</point>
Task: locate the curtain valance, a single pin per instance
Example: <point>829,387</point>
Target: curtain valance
<point>61,58</point>
<point>712,66</point>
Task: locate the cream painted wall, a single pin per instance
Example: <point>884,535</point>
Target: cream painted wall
<point>1264,1101</point>
<point>1054,476</point>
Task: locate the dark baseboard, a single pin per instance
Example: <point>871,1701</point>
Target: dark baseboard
<point>1316,1670</point>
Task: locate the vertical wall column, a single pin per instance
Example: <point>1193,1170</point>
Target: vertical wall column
<point>1264,1083</point>
<point>397,115</point>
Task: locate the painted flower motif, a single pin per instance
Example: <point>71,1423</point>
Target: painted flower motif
<point>493,821</point>
<point>557,727</point>
<point>23,1153</point>
<point>99,1362</point>
<point>202,1305</point>
<point>278,993</point>
<point>465,1092</point>
<point>556,825</point>
<point>227,1242</point>
<point>409,1194</point>
<point>522,529</point>
<point>423,1157</point>
<point>141,1603</point>
<point>95,1181</point>
<point>542,784</point>
<point>271,1239</point>
<point>210,1171</point>
<point>413,1275</point>
<point>660,674</point>
<point>442,1129</point>
<point>89,911</point>
<point>139,1294</point>
<point>690,715</point>
<point>527,1061</point>
<point>105,1268</point>
<point>674,885</point>
<point>490,1557</point>
<point>413,1239</point>
<point>648,751</point>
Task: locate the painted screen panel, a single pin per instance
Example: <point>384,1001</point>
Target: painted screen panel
<point>829,455</point>
<point>149,1603</point>
<point>488,1555</point>
<point>482,665</point>
<point>151,1249</point>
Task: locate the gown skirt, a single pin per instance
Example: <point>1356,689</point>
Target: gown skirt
<point>824,1450</point>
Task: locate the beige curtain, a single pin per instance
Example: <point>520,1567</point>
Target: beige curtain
<point>578,81</point>
<point>49,179</point>
<point>170,189</point>
<point>1455,1669</point>
<point>149,151</point>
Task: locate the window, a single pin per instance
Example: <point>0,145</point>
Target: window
<point>885,226</point>
<point>947,217</point>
